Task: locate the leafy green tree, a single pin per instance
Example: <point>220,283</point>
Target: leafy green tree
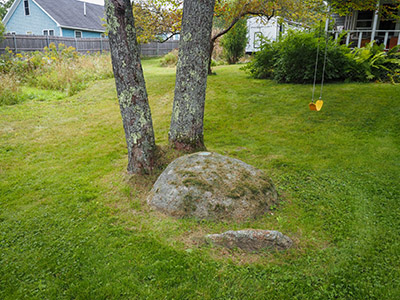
<point>2,30</point>
<point>344,7</point>
<point>234,42</point>
<point>4,5</point>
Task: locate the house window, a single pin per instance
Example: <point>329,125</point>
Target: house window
<point>364,19</point>
<point>78,34</point>
<point>26,6</point>
<point>48,32</point>
<point>388,21</point>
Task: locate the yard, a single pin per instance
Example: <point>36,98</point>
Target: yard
<point>74,225</point>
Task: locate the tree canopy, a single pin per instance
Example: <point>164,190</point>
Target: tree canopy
<point>344,7</point>
<point>2,30</point>
<point>4,6</point>
<point>163,18</point>
<point>157,19</point>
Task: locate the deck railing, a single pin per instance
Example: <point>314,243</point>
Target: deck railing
<point>360,37</point>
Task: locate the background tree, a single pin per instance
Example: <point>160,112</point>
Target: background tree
<point>157,19</point>
<point>229,12</point>
<point>2,30</point>
<point>131,88</point>
<point>344,7</point>
<point>234,42</point>
<point>186,130</point>
<point>4,6</point>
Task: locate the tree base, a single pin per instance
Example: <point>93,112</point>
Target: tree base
<point>188,147</point>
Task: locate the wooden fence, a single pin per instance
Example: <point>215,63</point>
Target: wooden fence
<point>26,43</point>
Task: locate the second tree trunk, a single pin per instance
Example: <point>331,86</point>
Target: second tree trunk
<point>186,131</point>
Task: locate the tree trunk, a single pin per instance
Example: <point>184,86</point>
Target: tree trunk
<point>186,131</point>
<point>131,88</point>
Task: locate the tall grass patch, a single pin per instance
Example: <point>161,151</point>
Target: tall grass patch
<point>10,92</point>
<point>56,68</point>
<point>170,59</point>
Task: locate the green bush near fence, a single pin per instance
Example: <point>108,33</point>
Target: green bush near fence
<point>56,68</point>
<point>170,59</point>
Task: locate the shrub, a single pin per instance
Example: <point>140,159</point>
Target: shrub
<point>373,63</point>
<point>2,30</point>
<point>234,42</point>
<point>262,65</point>
<point>170,59</point>
<point>292,59</point>
<point>297,58</point>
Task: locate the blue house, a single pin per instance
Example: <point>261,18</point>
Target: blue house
<point>67,18</point>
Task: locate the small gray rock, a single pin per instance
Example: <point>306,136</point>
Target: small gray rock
<point>251,240</point>
<point>211,186</point>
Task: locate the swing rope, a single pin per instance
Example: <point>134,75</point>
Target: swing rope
<point>316,65</point>
<point>318,104</point>
<point>324,67</point>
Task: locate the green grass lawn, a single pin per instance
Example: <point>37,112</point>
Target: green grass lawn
<point>74,225</point>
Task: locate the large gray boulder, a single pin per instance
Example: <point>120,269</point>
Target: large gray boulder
<point>211,186</point>
<point>251,240</point>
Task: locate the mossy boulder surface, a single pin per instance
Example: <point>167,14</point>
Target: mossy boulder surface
<point>211,186</point>
<point>251,240</point>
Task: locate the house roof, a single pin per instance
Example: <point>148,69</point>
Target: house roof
<point>70,13</point>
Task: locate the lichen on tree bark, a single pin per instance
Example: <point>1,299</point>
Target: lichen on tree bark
<point>186,131</point>
<point>131,88</point>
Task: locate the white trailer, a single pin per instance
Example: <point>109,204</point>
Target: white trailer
<point>259,29</point>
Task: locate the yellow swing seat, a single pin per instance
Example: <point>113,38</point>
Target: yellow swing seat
<point>316,106</point>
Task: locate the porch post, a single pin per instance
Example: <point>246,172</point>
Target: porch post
<point>375,23</point>
<point>328,15</point>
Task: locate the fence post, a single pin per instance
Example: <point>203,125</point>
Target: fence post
<point>101,44</point>
<point>76,44</point>
<point>15,43</point>
<point>158,48</point>
<point>47,41</point>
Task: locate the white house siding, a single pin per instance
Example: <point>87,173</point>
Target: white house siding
<point>35,23</point>
<point>85,34</point>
